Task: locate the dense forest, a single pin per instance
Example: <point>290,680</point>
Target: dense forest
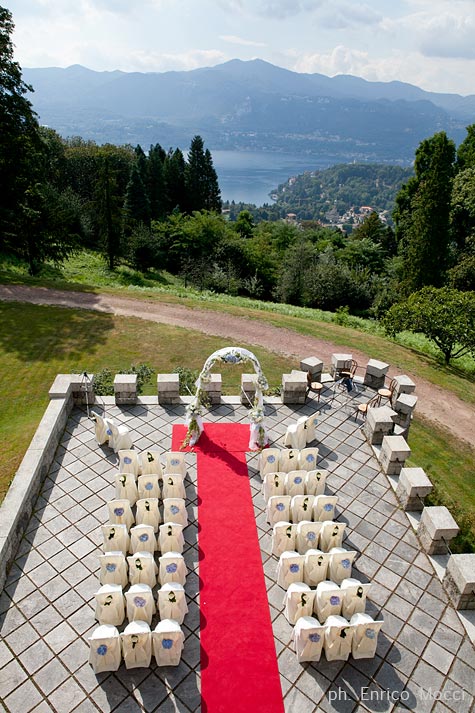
<point>157,209</point>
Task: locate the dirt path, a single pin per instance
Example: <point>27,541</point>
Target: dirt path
<point>434,403</point>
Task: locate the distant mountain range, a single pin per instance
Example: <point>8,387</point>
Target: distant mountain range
<point>250,105</point>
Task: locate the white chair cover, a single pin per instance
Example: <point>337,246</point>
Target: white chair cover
<point>116,538</point>
<point>126,487</point>
<point>315,567</point>
<point>301,507</point>
<point>173,486</point>
<point>308,638</point>
<point>172,568</point>
<point>167,639</point>
<point>354,597</point>
<point>338,638</point>
<point>148,513</point>
<point>113,568</point>
<point>142,539</point>
<point>148,486</point>
<point>258,437</point>
<point>315,481</point>
<point>100,429</point>
<point>175,463</point>
<point>289,459</point>
<point>307,536</point>
<point>310,426</point>
<point>120,512</point>
<point>174,510</point>
<point>296,434</point>
<point>365,636</point>
<point>119,437</point>
<point>308,459</point>
<point>278,508</point>
<point>105,653</point>
<point>290,569</point>
<point>129,462</point>
<point>171,602</point>
<point>142,569</point>
<point>269,460</point>
<point>341,561</point>
<point>298,601</point>
<point>110,605</point>
<point>295,482</point>
<point>136,642</point>
<point>327,600</point>
<point>150,463</point>
<point>324,507</point>
<point>273,484</point>
<point>283,537</point>
<point>140,603</point>
<point>170,539</point>
<point>331,535</point>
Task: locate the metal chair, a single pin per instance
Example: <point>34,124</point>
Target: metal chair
<point>387,393</point>
<point>314,386</point>
<point>363,408</point>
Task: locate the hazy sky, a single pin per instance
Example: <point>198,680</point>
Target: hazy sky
<point>430,43</point>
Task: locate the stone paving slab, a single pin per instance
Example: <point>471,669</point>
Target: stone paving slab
<point>424,660</point>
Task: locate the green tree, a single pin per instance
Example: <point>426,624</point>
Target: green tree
<point>19,134</point>
<point>244,224</point>
<point>136,203</point>
<point>174,175</point>
<point>443,315</point>
<point>157,191</point>
<point>213,192</point>
<point>422,214</point>
<point>466,150</point>
<point>108,202</point>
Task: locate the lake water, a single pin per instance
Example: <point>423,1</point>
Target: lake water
<point>249,176</point>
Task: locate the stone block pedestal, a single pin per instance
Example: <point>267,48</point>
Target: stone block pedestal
<point>394,453</point>
<point>82,389</point>
<point>375,374</point>
<point>314,365</point>
<point>459,581</point>
<point>213,388</point>
<point>168,389</point>
<point>436,529</point>
<point>248,389</point>
<point>125,388</point>
<point>338,363</point>
<point>412,487</point>
<point>378,424</point>
<point>294,387</point>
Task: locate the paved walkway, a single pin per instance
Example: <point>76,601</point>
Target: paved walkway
<point>46,609</point>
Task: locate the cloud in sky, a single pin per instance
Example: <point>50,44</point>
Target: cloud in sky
<point>427,42</point>
<point>235,40</point>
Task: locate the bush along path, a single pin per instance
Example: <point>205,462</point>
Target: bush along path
<point>435,404</point>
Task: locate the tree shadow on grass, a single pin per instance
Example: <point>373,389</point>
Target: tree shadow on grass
<point>38,333</point>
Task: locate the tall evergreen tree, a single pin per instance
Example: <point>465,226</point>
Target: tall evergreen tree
<point>108,211</point>
<point>466,150</point>
<point>174,174</point>
<point>19,132</point>
<point>195,176</point>
<point>157,191</point>
<point>422,214</point>
<point>213,192</point>
<point>136,204</point>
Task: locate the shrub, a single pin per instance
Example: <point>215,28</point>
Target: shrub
<point>104,379</point>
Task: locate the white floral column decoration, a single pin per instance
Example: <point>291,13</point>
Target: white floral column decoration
<point>194,412</point>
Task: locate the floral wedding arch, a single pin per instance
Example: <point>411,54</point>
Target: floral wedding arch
<point>194,412</point>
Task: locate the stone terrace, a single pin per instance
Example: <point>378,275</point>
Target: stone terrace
<point>46,609</point>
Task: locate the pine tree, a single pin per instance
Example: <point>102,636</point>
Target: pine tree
<point>136,204</point>
<point>195,176</point>
<point>213,193</point>
<point>19,132</point>
<point>174,174</point>
<point>157,192</point>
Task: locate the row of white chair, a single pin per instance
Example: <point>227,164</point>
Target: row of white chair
<point>148,486</point>
<point>151,462</point>
<point>318,508</point>
<point>327,599</point>
<point>142,538</point>
<point>306,535</point>
<point>295,482</point>
<point>272,460</point>
<point>111,603</point>
<point>337,637</point>
<point>300,433</point>
<point>141,568</point>
<point>315,566</point>
<point>135,644</point>
<point>147,512</point>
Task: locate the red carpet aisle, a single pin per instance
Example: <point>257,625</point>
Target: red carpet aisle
<point>239,672</point>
